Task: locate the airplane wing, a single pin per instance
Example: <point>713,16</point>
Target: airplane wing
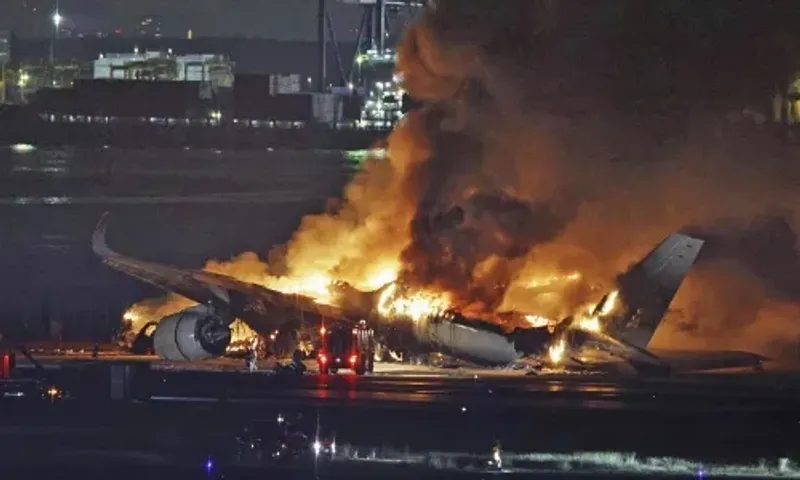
<point>260,307</point>
<point>167,278</point>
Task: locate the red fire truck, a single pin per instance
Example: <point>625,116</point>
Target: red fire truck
<point>343,347</point>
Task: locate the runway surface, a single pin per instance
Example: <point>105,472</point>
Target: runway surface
<point>426,418</point>
<point>225,381</point>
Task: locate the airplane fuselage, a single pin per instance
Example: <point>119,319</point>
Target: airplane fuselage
<point>646,289</point>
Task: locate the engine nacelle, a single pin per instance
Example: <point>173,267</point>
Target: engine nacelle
<point>193,334</point>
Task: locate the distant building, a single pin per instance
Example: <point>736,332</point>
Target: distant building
<point>149,26</point>
<point>216,70</point>
<point>29,78</point>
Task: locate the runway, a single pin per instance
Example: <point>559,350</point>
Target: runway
<point>224,381</point>
<point>401,408</point>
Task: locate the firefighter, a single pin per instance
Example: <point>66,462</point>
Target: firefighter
<point>497,460</point>
<point>297,361</point>
<point>250,360</point>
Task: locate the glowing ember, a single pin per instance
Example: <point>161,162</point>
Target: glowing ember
<point>131,316</point>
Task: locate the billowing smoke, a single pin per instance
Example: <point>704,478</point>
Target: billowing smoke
<point>471,229</point>
<point>531,160</point>
<point>474,249</point>
<point>505,119</point>
<point>746,289</point>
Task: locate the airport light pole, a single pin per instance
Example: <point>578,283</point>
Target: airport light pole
<point>57,19</point>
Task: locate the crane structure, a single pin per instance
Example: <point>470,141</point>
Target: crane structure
<point>370,72</point>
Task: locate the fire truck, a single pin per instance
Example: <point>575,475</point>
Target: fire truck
<point>7,364</point>
<point>346,347</point>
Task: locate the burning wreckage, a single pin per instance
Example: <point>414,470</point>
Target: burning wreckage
<point>613,334</point>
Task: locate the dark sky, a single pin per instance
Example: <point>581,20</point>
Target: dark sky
<point>276,19</point>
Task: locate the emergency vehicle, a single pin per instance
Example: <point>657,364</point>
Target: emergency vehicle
<point>346,347</point>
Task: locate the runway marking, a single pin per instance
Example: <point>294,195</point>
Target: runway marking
<point>185,399</point>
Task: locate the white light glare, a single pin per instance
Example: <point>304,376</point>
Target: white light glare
<point>57,19</point>
<point>317,447</point>
<point>22,148</point>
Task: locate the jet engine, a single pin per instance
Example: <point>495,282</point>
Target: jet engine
<point>193,334</point>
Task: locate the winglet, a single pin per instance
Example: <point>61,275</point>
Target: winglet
<point>99,245</point>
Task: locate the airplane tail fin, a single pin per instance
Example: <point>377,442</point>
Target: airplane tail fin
<point>648,287</point>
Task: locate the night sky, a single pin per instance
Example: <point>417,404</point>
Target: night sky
<point>274,19</point>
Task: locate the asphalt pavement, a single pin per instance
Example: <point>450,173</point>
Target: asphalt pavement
<point>225,381</point>
<point>192,409</point>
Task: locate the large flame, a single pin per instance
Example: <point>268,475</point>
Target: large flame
<point>556,351</point>
<point>394,302</point>
<point>591,321</point>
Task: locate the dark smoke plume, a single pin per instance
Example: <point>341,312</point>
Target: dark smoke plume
<point>591,114</point>
<point>473,249</point>
<point>468,234</point>
<point>766,248</point>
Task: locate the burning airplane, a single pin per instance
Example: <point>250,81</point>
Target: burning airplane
<point>608,333</point>
<point>486,192</point>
